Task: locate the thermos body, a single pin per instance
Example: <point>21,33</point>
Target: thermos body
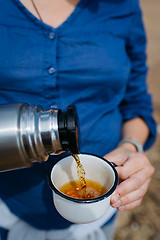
<point>27,134</point>
<point>10,152</point>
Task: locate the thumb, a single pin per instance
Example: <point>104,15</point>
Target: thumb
<point>118,156</point>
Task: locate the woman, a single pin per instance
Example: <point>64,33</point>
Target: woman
<point>90,54</point>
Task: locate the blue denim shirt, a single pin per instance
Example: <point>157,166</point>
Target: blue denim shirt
<point>94,60</point>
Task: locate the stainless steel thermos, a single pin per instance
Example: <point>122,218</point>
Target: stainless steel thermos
<point>27,134</point>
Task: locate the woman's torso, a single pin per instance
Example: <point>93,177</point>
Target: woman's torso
<point>82,62</point>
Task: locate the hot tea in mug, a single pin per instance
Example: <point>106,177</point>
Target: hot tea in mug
<point>98,172</point>
<point>92,190</point>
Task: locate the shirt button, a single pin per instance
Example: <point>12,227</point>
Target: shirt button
<point>51,70</point>
<point>51,35</point>
<point>54,107</point>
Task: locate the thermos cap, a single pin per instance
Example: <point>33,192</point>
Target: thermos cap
<point>69,130</point>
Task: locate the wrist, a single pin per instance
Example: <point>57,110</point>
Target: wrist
<point>131,144</point>
<point>128,146</point>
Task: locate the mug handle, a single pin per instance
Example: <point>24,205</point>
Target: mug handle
<point>114,165</point>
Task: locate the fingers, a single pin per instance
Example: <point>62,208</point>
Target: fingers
<point>130,192</point>
<point>134,182</point>
<point>135,195</point>
<point>130,205</point>
<point>135,163</point>
<point>130,199</point>
<point>135,174</point>
<point>134,171</point>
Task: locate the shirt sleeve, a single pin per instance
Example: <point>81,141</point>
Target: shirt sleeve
<point>137,101</point>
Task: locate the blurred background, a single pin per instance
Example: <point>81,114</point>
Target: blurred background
<point>143,223</point>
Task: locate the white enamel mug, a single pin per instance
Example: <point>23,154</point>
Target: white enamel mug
<point>97,169</point>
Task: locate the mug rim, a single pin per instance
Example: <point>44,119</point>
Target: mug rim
<point>77,200</point>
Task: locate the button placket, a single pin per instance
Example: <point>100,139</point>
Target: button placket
<point>50,52</point>
<point>51,69</point>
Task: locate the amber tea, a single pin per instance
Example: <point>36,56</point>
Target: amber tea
<point>74,189</point>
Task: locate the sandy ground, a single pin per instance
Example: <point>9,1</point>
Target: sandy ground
<point>143,223</point>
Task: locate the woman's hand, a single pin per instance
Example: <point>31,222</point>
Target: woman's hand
<point>134,171</point>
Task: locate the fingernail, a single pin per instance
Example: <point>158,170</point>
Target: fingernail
<point>122,208</point>
<point>117,204</point>
<point>115,197</point>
